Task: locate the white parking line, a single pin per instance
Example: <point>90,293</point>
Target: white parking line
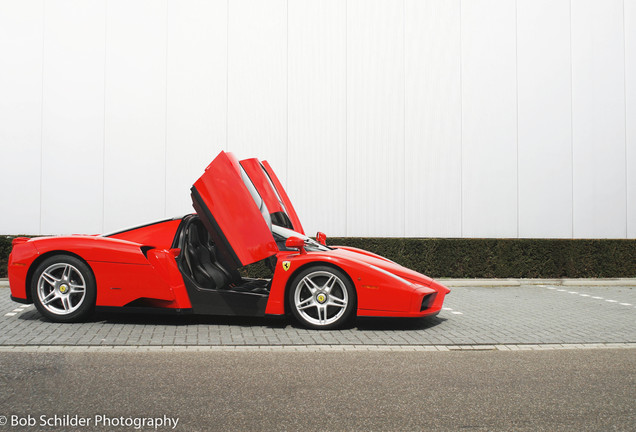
<point>17,310</point>
<point>586,295</point>
<point>457,313</point>
<point>448,309</point>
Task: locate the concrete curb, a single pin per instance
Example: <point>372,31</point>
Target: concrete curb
<point>308,348</point>
<point>539,282</point>
<point>455,283</point>
<point>520,282</point>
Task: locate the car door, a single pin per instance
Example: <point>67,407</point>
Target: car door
<point>267,191</point>
<point>234,213</point>
<point>291,212</point>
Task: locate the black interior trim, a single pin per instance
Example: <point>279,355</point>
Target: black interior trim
<point>145,249</point>
<point>281,219</point>
<point>226,254</point>
<point>180,231</point>
<point>211,288</point>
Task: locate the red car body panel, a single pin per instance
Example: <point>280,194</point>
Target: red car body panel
<point>122,271</point>
<point>228,202</point>
<point>291,212</point>
<point>159,234</point>
<point>139,265</point>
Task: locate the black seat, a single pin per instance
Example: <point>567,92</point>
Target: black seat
<point>201,258</point>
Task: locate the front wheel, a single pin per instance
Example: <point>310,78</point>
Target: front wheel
<point>63,289</point>
<point>322,297</point>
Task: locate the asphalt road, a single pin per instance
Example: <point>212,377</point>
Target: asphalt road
<point>562,390</point>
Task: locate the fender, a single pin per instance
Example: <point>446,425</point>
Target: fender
<point>377,289</point>
<point>91,248</point>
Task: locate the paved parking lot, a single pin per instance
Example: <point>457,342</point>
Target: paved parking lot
<point>525,315</point>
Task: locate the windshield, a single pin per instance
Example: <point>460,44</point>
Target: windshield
<point>282,234</point>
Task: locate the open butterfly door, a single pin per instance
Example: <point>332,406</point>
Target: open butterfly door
<point>280,191</point>
<point>233,212</point>
<point>267,191</point>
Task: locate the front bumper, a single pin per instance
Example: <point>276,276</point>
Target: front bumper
<point>426,301</point>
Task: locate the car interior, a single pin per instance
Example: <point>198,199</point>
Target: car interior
<point>199,263</point>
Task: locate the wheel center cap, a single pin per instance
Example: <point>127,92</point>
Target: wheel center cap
<point>63,288</point>
<point>321,298</point>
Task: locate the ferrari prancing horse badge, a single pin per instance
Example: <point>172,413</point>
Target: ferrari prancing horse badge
<point>286,265</point>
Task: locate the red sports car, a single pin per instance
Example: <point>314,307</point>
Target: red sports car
<point>191,264</point>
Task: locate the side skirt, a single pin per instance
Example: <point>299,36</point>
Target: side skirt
<point>143,310</point>
<point>20,300</point>
<point>225,301</point>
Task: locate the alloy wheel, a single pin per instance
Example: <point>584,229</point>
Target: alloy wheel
<point>321,298</point>
<point>61,288</point>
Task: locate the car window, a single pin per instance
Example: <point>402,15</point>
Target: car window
<point>256,197</point>
<point>271,184</point>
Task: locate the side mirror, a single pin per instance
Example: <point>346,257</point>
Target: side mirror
<point>175,252</point>
<point>296,243</point>
<point>321,238</point>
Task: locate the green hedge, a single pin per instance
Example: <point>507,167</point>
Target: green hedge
<point>487,258</point>
<point>5,250</point>
<point>506,258</point>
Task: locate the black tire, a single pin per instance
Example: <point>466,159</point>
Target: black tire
<point>322,297</point>
<point>63,289</point>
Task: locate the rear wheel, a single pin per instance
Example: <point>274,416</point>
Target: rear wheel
<point>322,297</point>
<point>63,289</point>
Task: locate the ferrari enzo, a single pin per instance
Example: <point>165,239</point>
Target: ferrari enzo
<point>192,264</point>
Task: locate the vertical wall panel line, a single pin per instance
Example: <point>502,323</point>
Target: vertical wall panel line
<point>461,130</point>
<point>287,93</point>
<point>165,126</point>
<point>404,117</point>
<point>517,96</point>
<point>227,75</point>
<point>346,117</point>
<point>104,115</point>
<point>625,100</point>
<point>42,115</point>
<point>572,113</point>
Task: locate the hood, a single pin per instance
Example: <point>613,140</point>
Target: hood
<point>384,264</point>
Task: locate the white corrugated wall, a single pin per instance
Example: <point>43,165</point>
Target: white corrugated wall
<point>417,118</point>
